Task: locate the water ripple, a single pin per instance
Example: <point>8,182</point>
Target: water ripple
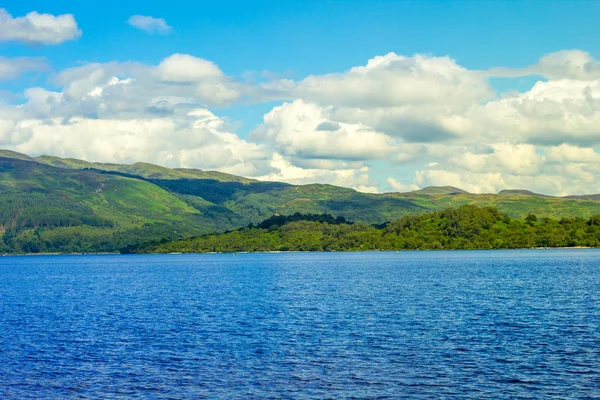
<point>496,324</point>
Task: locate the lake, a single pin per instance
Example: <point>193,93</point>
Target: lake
<point>453,324</point>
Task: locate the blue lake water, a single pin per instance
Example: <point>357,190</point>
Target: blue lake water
<point>496,324</point>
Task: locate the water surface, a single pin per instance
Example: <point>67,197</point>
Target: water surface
<point>501,324</point>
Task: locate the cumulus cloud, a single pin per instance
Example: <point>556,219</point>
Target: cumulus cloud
<point>11,68</point>
<point>149,24</point>
<point>36,28</point>
<point>447,119</point>
<point>303,130</point>
<point>564,64</point>
<point>550,113</point>
<point>117,90</point>
<point>196,140</point>
<point>285,170</point>
<point>393,81</point>
<point>566,153</point>
<point>558,170</point>
<point>185,68</point>
<point>512,159</point>
<point>401,187</point>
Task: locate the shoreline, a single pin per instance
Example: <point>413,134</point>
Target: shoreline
<point>287,251</point>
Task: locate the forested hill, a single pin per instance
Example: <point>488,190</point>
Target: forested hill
<point>49,204</point>
<point>467,227</point>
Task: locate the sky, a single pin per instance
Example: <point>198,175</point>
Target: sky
<point>378,96</point>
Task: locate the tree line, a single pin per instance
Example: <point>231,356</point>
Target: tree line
<point>466,227</point>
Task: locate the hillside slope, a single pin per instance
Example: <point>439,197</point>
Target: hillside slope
<point>49,204</point>
<point>44,208</point>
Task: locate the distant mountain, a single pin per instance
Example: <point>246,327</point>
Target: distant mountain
<point>144,170</point>
<point>594,197</point>
<point>439,191</point>
<point>51,204</point>
<point>520,192</point>
<point>15,155</point>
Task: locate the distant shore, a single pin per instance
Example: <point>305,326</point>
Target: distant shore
<point>291,251</point>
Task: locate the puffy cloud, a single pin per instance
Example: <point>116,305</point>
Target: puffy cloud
<point>418,99</point>
<point>393,81</point>
<point>149,24</point>
<point>410,124</point>
<point>198,140</point>
<point>117,90</point>
<point>35,28</point>
<point>284,170</point>
<point>574,64</point>
<point>572,154</point>
<point>304,130</point>
<point>474,182</point>
<point>182,68</point>
<point>558,170</point>
<point>561,181</point>
<point>11,68</point>
<point>553,112</point>
<point>564,64</point>
<point>512,159</point>
<point>401,187</point>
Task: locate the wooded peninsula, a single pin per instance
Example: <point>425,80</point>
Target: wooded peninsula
<point>468,228</point>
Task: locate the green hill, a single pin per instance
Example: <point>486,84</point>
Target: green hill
<point>51,204</point>
<point>520,192</point>
<point>44,208</point>
<point>144,170</point>
<point>438,191</point>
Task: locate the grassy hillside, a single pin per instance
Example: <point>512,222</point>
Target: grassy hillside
<point>43,208</point>
<point>141,169</point>
<point>68,205</point>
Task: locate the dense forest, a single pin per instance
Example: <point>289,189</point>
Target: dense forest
<point>466,227</point>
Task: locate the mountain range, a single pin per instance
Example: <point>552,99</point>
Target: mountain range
<point>52,204</point>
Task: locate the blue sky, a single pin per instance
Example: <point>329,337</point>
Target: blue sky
<point>292,40</point>
<point>313,37</point>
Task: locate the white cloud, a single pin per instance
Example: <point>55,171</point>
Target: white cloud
<point>117,90</point>
<point>566,153</point>
<point>394,81</point>
<point>304,130</point>
<point>35,28</point>
<point>367,189</point>
<point>559,170</point>
<point>150,24</point>
<point>185,68</point>
<point>519,159</point>
<point>11,68</point>
<point>284,170</point>
<point>564,180</point>
<point>565,64</point>
<point>553,112</point>
<point>401,187</point>
<point>199,140</point>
